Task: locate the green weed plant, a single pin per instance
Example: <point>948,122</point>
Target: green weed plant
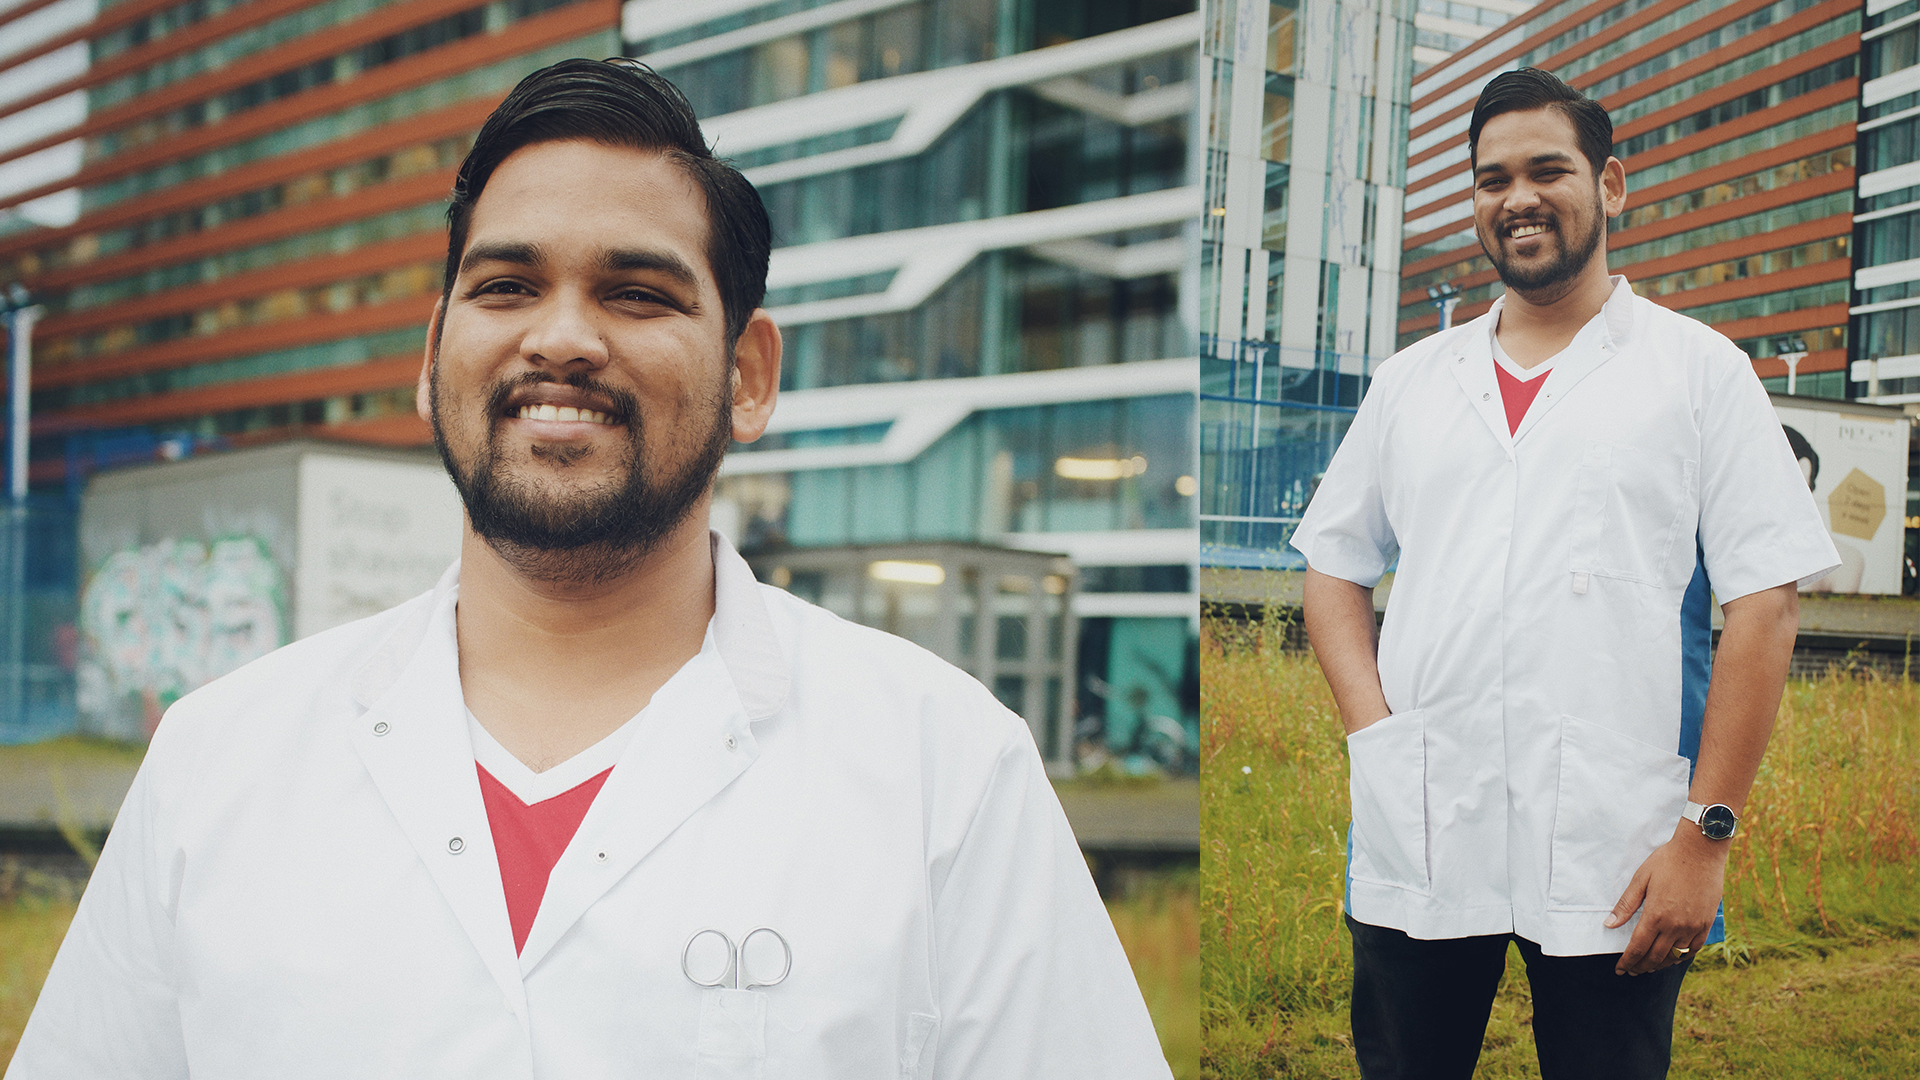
<point>1827,861</point>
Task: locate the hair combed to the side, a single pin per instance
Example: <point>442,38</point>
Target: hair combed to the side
<point>621,102</point>
<point>1529,89</point>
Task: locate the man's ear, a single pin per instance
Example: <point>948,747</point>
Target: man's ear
<point>1613,188</point>
<point>423,390</point>
<point>756,376</point>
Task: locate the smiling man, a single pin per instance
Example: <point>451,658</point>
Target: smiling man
<point>1545,751</point>
<point>600,804</point>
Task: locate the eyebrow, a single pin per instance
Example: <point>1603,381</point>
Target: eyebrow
<point>517,253</point>
<point>621,260</point>
<point>1554,158</point>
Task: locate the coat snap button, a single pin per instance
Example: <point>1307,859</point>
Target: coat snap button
<point>380,728</point>
<point>600,856</point>
<point>731,742</point>
<point>456,845</point>
<point>1484,397</point>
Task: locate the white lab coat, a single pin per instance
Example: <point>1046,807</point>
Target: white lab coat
<point>1545,647</point>
<point>281,897</point>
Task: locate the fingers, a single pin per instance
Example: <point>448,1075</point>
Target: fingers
<point>1629,901</point>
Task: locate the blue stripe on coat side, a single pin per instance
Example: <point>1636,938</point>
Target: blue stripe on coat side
<point>1696,672</point>
<point>1349,894</point>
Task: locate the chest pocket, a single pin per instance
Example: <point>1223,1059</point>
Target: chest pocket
<point>733,1035</point>
<point>1632,509</point>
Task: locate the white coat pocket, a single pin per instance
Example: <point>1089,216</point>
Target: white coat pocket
<point>1388,769</point>
<point>916,1056</point>
<point>733,1035</point>
<point>1633,510</point>
<point>1619,799</point>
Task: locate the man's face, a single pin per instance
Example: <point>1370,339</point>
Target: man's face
<point>580,386</point>
<point>1538,209</point>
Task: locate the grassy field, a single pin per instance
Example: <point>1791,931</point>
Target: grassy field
<point>1822,961</point>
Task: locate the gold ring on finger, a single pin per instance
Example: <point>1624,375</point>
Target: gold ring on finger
<point>1679,952</point>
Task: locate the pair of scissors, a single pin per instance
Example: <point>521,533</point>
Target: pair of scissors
<point>737,960</point>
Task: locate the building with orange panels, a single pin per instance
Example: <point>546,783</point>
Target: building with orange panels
<point>232,211</point>
<point>1736,122</point>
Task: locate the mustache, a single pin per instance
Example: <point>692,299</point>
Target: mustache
<point>624,405</point>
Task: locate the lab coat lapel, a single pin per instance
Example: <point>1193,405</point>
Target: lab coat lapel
<point>1471,361</point>
<point>691,741</point>
<point>413,739</point>
<point>1594,345</point>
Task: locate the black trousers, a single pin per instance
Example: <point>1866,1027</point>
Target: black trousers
<point>1420,1008</point>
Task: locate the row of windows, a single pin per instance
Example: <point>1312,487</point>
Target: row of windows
<point>1779,303</point>
<point>1890,239</point>
<point>281,305</point>
<point>1889,107</point>
<point>1749,267</point>
<point>996,472</point>
<point>1821,340</point>
<point>156,25</point>
<point>1434,39</point>
<point>345,352</point>
<point>1780,134</point>
<point>1815,384</point>
<point>1900,290</point>
<point>1779,176</point>
<point>332,240</point>
<point>226,50</point>
<point>491,18</point>
<point>1766,221</point>
<point>1889,333</point>
<point>496,78</point>
<point>1893,52</point>
<point>254,420</point>
<point>1786,90</point>
<point>326,183</point>
<point>1720,75</point>
<point>1062,157</point>
<point>1465,13</point>
<point>1893,14</point>
<point>1714,39</point>
<point>1893,144</point>
<point>1670,23</point>
<point>1008,312</point>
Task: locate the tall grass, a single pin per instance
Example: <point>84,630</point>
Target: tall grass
<point>1828,854</point>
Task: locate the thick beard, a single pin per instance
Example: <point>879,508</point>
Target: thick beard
<point>586,537</point>
<point>1564,268</point>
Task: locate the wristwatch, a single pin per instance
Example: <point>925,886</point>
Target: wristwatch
<point>1717,822</point>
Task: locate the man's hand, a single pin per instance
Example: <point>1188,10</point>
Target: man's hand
<point>1677,890</point>
<point>1341,628</point>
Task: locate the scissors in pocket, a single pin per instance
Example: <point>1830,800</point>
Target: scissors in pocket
<point>736,969</point>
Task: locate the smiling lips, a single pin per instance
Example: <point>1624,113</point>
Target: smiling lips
<point>564,413</point>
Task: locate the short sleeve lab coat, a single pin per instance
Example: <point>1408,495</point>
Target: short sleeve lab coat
<point>1546,646</point>
<point>302,881</point>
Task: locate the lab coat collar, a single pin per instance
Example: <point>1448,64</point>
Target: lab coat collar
<point>1597,342</point>
<point>691,741</point>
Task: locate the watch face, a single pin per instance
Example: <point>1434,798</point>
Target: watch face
<point>1718,822</point>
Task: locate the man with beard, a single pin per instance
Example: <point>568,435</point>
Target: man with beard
<point>1542,750</point>
<point>599,804</point>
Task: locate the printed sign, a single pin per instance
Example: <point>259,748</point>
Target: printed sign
<point>1856,466</point>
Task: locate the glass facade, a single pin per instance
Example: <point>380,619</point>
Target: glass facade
<point>1886,311</point>
<point>1032,392</point>
<point>1307,124</point>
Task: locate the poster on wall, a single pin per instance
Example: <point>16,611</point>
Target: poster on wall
<point>1854,460</point>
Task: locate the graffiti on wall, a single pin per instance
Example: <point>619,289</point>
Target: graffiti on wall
<point>166,618</point>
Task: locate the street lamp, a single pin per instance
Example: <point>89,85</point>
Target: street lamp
<point>1792,350</point>
<point>20,313</point>
<point>1444,296</point>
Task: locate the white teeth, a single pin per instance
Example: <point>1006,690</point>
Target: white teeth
<point>563,413</point>
<point>1526,230</point>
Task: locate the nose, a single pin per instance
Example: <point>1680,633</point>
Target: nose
<point>1521,197</point>
<point>566,331</point>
